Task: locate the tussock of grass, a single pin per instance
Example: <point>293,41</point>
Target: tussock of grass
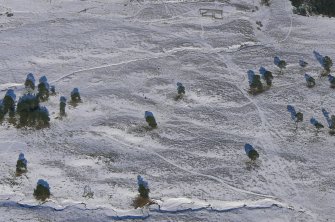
<point>139,202</point>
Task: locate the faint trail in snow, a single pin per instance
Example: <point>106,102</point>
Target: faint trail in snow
<point>205,175</point>
<point>291,18</point>
<point>202,30</point>
<point>230,49</point>
<point>189,171</point>
<point>106,66</point>
<point>272,42</point>
<point>139,11</point>
<point>10,148</point>
<point>213,177</point>
<point>267,139</point>
<point>167,10</point>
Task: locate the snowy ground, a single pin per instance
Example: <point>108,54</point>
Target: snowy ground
<point>126,57</point>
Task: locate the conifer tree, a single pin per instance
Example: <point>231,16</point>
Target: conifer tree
<point>42,191</point>
<point>75,96</point>
<point>310,80</point>
<point>331,80</point>
<point>327,63</point>
<point>251,152</point>
<point>62,105</point>
<point>21,164</point>
<point>30,82</point>
<point>31,113</point>
<point>302,63</point>
<point>279,63</point>
<point>143,187</point>
<point>266,75</point>
<point>315,123</point>
<point>180,88</point>
<point>330,120</point>
<point>43,89</point>
<point>150,119</point>
<point>255,83</point>
<point>9,102</point>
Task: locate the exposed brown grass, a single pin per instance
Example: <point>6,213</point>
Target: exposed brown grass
<point>139,202</point>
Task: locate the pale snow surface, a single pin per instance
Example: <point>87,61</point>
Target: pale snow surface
<point>126,57</point>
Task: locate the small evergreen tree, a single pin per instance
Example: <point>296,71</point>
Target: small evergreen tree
<point>143,187</point>
<point>43,89</point>
<point>42,191</point>
<point>31,113</point>
<point>42,116</point>
<point>331,80</point>
<point>310,80</point>
<point>302,63</point>
<point>62,106</point>
<point>297,117</point>
<point>279,63</point>
<point>327,63</point>
<point>75,96</point>
<point>21,164</point>
<point>255,83</point>
<point>30,82</point>
<point>315,123</point>
<point>26,106</point>
<point>180,88</point>
<point>332,126</point>
<point>251,152</point>
<point>330,120</point>
<point>9,102</point>
<point>149,117</point>
<point>266,75</point>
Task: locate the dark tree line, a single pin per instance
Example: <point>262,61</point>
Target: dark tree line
<point>319,7</point>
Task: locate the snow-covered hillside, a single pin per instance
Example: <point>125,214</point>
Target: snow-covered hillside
<point>126,57</point>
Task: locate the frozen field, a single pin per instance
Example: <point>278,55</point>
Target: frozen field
<point>126,57</point>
